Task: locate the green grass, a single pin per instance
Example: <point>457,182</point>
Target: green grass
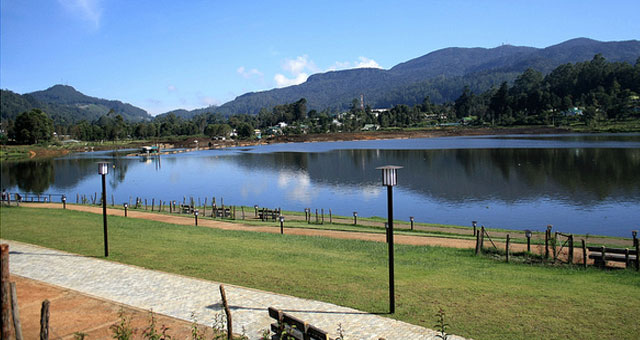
<point>483,298</point>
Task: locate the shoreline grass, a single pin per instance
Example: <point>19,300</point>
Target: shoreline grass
<point>483,298</point>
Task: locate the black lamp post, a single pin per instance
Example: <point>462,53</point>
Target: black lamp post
<point>411,219</point>
<point>355,218</point>
<point>281,224</point>
<point>475,225</point>
<point>64,202</point>
<point>103,169</point>
<point>126,207</point>
<point>195,214</point>
<point>389,179</point>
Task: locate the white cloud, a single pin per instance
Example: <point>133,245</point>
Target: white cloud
<point>365,62</point>
<point>248,73</point>
<point>171,88</point>
<point>300,64</point>
<point>362,62</point>
<point>87,10</point>
<point>299,70</point>
<point>282,80</point>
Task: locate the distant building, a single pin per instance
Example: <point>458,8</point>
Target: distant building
<point>370,127</point>
<point>574,111</point>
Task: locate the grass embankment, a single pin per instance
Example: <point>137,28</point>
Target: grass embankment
<point>483,298</point>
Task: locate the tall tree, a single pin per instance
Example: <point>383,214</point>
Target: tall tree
<point>33,127</point>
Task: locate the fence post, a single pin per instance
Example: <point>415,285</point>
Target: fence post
<point>571,248</point>
<point>637,255</point>
<point>481,238</point>
<point>604,261</point>
<point>555,246</point>
<point>15,312</point>
<point>330,217</point>
<point>228,312</point>
<point>477,244</point>
<point>507,248</point>
<point>4,282</point>
<point>44,320</point>
<point>584,254</point>
<point>546,244</point>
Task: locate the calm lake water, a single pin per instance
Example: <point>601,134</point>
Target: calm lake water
<point>578,183</point>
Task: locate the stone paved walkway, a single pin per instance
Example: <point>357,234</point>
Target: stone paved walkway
<point>180,296</point>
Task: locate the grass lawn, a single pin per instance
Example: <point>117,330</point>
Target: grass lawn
<point>483,298</point>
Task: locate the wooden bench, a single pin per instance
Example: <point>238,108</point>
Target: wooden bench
<point>600,255</point>
<point>267,214</point>
<point>293,327</point>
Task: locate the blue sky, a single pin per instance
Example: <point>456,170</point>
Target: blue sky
<point>163,55</point>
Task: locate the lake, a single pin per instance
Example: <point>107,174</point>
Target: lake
<point>577,183</point>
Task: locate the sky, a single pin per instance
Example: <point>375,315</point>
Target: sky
<point>165,55</point>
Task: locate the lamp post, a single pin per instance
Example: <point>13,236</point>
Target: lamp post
<point>126,207</point>
<point>355,218</point>
<point>103,169</point>
<point>475,225</point>
<point>64,202</point>
<point>281,224</point>
<point>389,179</point>
<point>411,219</point>
<point>195,214</point>
<point>527,233</point>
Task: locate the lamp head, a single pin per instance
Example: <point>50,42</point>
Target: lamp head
<point>103,168</point>
<point>527,233</point>
<point>389,174</point>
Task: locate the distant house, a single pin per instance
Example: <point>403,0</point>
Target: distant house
<point>370,127</point>
<point>574,111</point>
<point>282,125</point>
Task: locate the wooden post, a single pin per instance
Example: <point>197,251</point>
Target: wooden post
<point>204,212</point>
<point>227,311</point>
<point>322,214</point>
<point>507,247</point>
<point>571,248</point>
<point>242,211</point>
<point>555,246</point>
<point>77,198</point>
<point>626,257</point>
<point>637,255</point>
<point>604,261</point>
<point>482,232</point>
<point>15,312</point>
<point>584,254</point>
<point>113,202</point>
<point>546,244</point>
<point>330,217</point>
<point>44,320</point>
<point>5,287</point>
<point>153,203</point>
<point>145,204</point>
<point>316,216</point>
<point>234,212</point>
<point>477,243</point>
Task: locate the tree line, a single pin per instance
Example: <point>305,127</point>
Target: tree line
<point>589,92</point>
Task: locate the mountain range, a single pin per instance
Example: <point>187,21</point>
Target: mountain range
<point>66,105</point>
<point>441,75</point>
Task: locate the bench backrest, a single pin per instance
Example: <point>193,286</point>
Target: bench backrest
<point>632,251</point>
<point>295,327</point>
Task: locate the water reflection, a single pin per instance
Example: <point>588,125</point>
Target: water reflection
<point>581,176</point>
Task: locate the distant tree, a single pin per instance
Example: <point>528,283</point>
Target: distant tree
<point>33,127</point>
<point>245,130</point>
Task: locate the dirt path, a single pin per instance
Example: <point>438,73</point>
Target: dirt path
<point>71,311</point>
<point>351,235</point>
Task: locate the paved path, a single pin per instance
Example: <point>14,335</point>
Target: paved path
<point>180,296</point>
